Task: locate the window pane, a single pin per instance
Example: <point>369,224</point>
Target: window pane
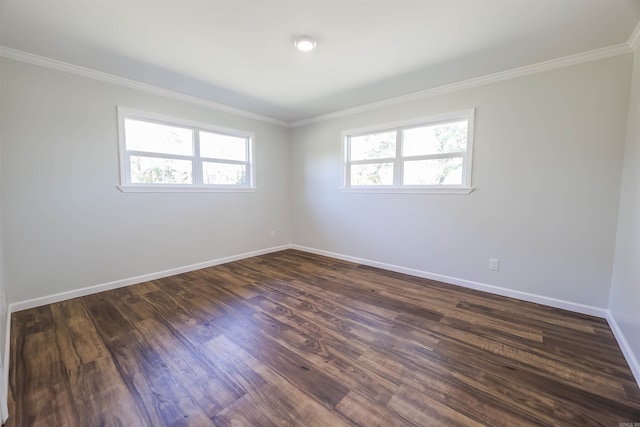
<point>158,138</point>
<point>217,146</point>
<point>441,138</point>
<point>373,146</point>
<point>153,170</point>
<point>372,174</point>
<point>433,172</point>
<point>224,174</point>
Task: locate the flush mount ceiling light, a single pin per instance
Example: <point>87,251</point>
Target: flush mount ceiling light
<point>304,43</point>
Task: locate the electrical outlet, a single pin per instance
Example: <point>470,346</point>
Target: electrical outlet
<point>494,264</point>
<point>273,233</point>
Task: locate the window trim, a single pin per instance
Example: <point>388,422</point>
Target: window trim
<point>198,186</point>
<point>398,161</point>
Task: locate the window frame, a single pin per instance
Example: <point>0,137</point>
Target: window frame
<point>198,184</point>
<point>398,160</point>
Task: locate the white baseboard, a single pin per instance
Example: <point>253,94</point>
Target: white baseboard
<point>62,296</point>
<point>4,410</point>
<point>631,358</point>
<point>525,296</point>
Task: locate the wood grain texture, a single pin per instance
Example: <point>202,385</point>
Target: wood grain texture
<point>294,339</point>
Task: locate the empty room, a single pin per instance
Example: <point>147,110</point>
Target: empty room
<point>320,213</point>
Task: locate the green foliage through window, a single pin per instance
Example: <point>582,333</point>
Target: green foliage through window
<point>163,152</point>
<point>423,155</point>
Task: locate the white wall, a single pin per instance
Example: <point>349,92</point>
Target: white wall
<point>66,225</point>
<point>4,354</point>
<point>547,170</point>
<point>624,304</point>
<point>4,314</point>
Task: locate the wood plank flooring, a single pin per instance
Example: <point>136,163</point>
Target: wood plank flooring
<point>294,339</point>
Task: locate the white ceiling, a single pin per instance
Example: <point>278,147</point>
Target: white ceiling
<point>240,53</point>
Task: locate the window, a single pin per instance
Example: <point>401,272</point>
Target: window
<point>166,154</point>
<point>429,155</point>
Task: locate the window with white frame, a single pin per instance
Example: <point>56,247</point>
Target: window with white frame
<point>159,153</point>
<point>427,155</point>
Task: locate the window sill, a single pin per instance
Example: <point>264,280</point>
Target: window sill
<point>172,189</point>
<point>423,190</point>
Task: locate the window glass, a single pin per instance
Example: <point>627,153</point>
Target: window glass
<point>440,138</point>
<point>374,146</point>
<point>166,154</point>
<point>372,174</point>
<point>429,155</point>
<point>219,146</point>
<point>155,170</point>
<point>224,174</point>
<point>433,172</point>
<point>158,138</point>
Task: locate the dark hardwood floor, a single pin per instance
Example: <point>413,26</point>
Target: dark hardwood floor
<point>294,339</point>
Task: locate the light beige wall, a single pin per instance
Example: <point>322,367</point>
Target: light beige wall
<point>4,314</point>
<point>546,166</point>
<point>625,285</point>
<point>67,226</point>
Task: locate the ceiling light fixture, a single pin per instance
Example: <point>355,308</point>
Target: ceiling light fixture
<point>304,43</point>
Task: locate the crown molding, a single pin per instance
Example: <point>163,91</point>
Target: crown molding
<point>42,61</point>
<point>634,39</point>
<point>553,64</point>
<point>624,48</point>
